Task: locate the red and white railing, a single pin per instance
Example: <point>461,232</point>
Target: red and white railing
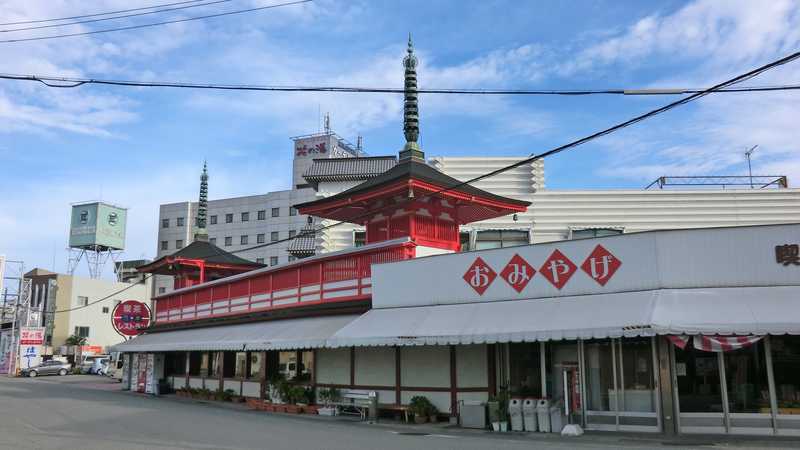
<point>327,278</point>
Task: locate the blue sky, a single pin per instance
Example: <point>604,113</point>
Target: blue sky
<point>144,147</point>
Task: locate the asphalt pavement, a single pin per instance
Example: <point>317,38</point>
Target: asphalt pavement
<point>89,412</point>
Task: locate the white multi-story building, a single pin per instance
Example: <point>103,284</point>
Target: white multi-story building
<point>325,164</point>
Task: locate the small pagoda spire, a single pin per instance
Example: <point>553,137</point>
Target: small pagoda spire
<point>410,108</point>
<point>201,233</point>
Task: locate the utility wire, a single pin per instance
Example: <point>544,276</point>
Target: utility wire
<point>153,24</point>
<point>559,149</point>
<point>533,157</point>
<point>99,14</point>
<point>177,8</point>
<point>132,285</point>
<point>72,82</point>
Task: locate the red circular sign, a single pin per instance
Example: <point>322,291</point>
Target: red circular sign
<point>130,317</point>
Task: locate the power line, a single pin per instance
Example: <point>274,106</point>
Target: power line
<point>132,285</point>
<point>99,14</point>
<point>533,157</point>
<point>575,143</point>
<point>52,81</point>
<point>177,8</point>
<point>153,24</point>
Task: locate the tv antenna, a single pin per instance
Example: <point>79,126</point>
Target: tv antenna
<point>750,167</point>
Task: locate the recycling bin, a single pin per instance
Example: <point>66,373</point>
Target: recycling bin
<point>529,414</point>
<point>557,418</point>
<point>543,414</point>
<point>515,411</point>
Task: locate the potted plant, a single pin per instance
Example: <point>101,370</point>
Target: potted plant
<point>328,396</point>
<point>493,408</point>
<point>420,406</point>
<point>503,400</point>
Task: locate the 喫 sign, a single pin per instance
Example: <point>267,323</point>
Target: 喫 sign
<point>31,336</point>
<point>130,317</point>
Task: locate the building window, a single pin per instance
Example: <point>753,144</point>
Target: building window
<point>260,238</point>
<point>292,211</point>
<point>164,223</point>
<point>228,218</point>
<point>82,332</point>
<point>294,370</point>
<point>359,238</point>
<point>245,217</point>
<point>255,365</point>
<point>273,236</point>
<point>83,301</point>
<point>292,258</point>
<point>292,233</point>
<point>212,220</point>
<point>583,233</point>
<point>228,241</point>
<point>276,212</point>
<point>243,239</point>
<point>273,260</point>
<point>179,243</point>
<point>212,241</point>
<point>262,214</point>
<point>500,239</point>
<point>105,309</point>
<point>164,245</point>
<point>260,260</point>
<point>162,290</point>
<point>786,363</point>
<point>179,222</point>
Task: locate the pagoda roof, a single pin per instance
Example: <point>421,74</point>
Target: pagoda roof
<point>408,171</point>
<point>348,169</point>
<point>204,251</point>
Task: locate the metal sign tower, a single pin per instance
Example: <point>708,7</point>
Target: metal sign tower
<point>96,234</point>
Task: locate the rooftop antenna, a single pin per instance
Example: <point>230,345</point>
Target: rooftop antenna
<point>749,167</point>
<point>359,145</point>
<point>327,122</point>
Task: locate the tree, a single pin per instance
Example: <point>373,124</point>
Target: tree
<point>76,340</point>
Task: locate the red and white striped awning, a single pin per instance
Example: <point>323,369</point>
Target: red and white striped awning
<point>715,343</point>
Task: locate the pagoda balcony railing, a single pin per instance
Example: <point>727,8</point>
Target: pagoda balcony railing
<point>327,278</point>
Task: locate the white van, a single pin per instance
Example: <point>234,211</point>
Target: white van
<point>87,362</point>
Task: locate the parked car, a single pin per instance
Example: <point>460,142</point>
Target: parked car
<point>99,365</point>
<point>87,362</point>
<point>47,368</point>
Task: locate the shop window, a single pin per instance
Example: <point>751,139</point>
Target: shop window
<point>637,377</point>
<point>195,363</point>
<point>525,369</point>
<point>583,233</point>
<point>599,376</point>
<point>229,364</point>
<point>698,380</point>
<point>487,239</point>
<point>292,369</point>
<point>359,238</point>
<point>254,372</point>
<point>746,379</point>
<point>209,366</point>
<point>786,367</point>
<point>241,365</point>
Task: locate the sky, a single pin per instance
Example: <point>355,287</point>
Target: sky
<point>142,147</point>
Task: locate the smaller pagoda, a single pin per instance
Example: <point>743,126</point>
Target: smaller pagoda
<point>413,199</point>
<point>201,260</point>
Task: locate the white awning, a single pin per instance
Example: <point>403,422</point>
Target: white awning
<point>307,332</point>
<point>643,313</point>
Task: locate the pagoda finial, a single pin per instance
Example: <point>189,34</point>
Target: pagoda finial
<point>201,234</point>
<point>410,108</point>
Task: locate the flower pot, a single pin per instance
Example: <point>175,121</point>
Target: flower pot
<point>495,426</point>
<point>420,419</point>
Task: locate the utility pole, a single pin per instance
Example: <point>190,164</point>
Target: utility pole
<point>749,167</point>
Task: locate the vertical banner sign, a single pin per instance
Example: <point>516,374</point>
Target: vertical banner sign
<point>141,376</point>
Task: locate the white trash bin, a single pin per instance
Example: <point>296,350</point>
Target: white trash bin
<point>543,414</point>
<point>529,413</point>
<point>515,411</point>
<point>557,418</point>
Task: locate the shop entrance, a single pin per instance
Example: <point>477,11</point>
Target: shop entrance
<point>621,385</point>
<point>723,391</point>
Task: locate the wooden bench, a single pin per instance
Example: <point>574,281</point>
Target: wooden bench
<point>356,402</point>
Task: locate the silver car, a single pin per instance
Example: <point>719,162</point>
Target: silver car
<point>47,368</point>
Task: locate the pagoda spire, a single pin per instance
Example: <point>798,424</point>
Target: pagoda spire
<point>410,108</point>
<point>201,233</point>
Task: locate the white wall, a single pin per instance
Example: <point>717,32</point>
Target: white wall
<point>427,366</point>
<point>375,366</point>
<point>333,365</point>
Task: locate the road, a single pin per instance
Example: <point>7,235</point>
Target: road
<point>86,412</point>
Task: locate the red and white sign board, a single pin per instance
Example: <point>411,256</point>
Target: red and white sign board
<point>675,259</point>
<point>31,336</point>
<point>130,317</point>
